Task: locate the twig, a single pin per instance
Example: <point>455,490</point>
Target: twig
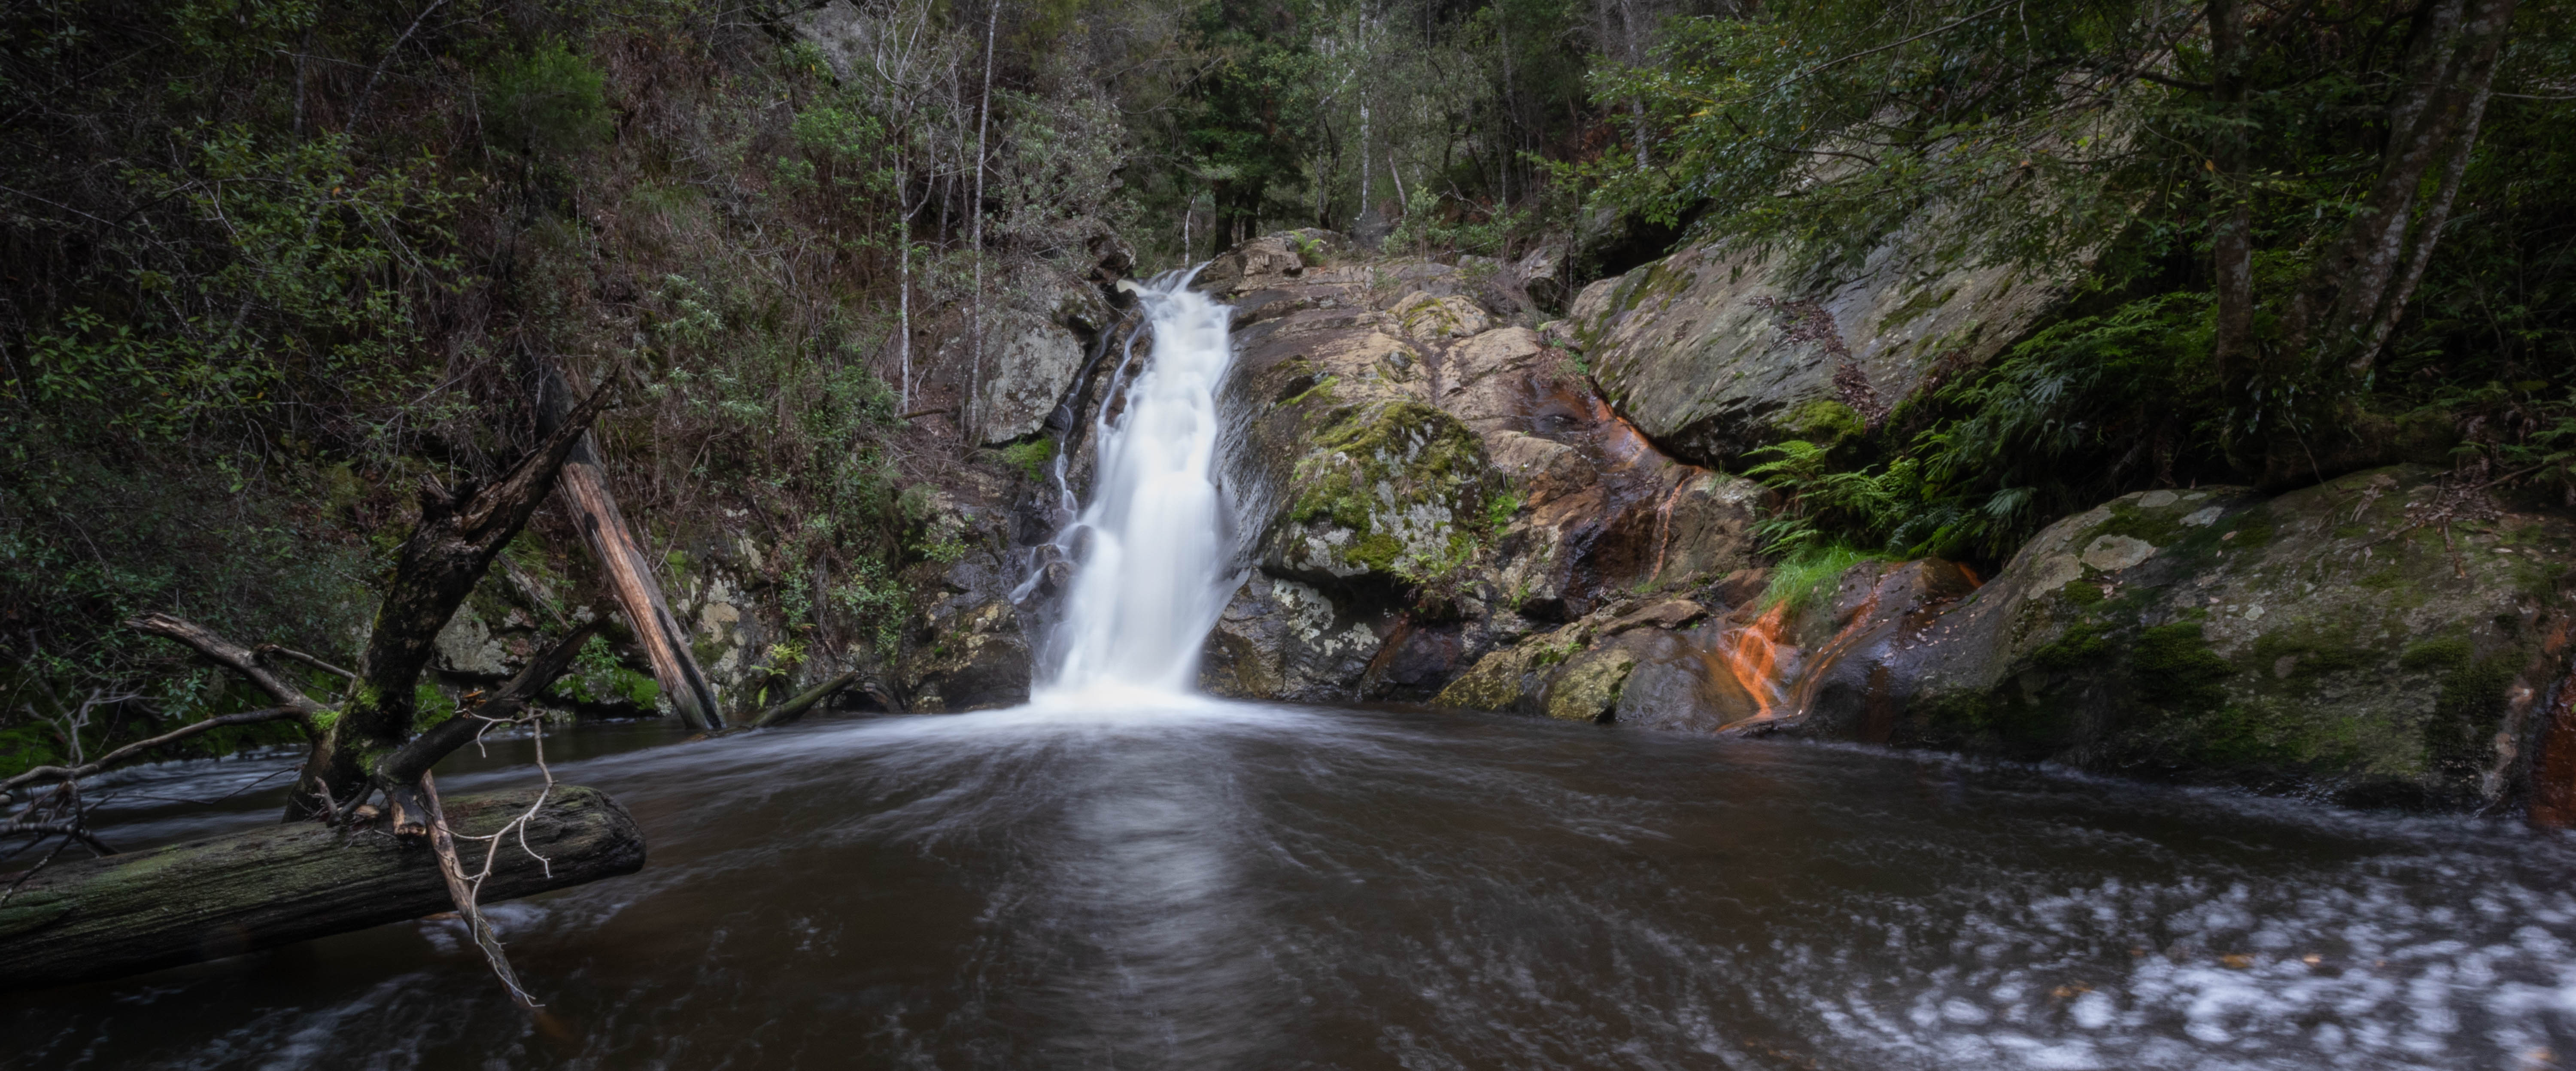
<point>230,655</point>
<point>57,829</point>
<point>289,652</point>
<point>74,773</point>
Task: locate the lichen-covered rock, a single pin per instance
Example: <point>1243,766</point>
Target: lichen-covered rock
<point>1038,330</point>
<point>2384,637</point>
<point>1279,639</point>
<point>1389,490</point>
<point>1438,473</point>
<point>1713,353</point>
<point>1587,687</point>
<point>1438,319</point>
<point>967,646</point>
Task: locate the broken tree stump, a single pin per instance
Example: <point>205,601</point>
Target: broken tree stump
<point>221,896</point>
<point>582,488</point>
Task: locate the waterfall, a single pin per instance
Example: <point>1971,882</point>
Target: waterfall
<point>1153,552</point>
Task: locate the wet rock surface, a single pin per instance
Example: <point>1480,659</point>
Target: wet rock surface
<point>1440,506</point>
<point>968,647</point>
<point>1421,459</point>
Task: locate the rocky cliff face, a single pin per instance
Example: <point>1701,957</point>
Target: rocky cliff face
<point>1425,479</point>
<point>1437,503</point>
<point>1454,512</point>
<point>1712,353</point>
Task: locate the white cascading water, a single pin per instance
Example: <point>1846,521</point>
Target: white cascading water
<point>1153,554</point>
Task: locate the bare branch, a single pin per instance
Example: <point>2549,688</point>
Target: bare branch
<point>299,656</point>
<point>56,829</point>
<point>74,773</point>
<point>228,654</point>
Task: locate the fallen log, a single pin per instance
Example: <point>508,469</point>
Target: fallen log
<point>221,896</point>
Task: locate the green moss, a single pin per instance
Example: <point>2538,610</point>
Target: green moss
<point>2159,527</point>
<point>2082,644</point>
<point>1389,458</point>
<point>1030,457</point>
<point>2081,593</point>
<point>1320,390</point>
<point>1377,550</point>
<point>2317,654</point>
<point>2172,666</point>
<point>1825,422</point>
<point>2249,531</point>
<point>2447,654</point>
<point>430,705</point>
<point>2238,735</point>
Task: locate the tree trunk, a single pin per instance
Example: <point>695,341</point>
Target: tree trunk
<point>461,530</point>
<point>221,896</point>
<point>2232,244</point>
<point>2433,120</point>
<point>583,492</point>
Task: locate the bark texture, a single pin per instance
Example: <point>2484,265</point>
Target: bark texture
<point>460,532</point>
<point>584,494</point>
<point>221,896</point>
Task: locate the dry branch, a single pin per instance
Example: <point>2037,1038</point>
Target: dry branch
<point>584,494</point>
<point>230,655</point>
<point>139,747</point>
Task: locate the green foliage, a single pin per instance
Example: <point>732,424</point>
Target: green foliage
<point>599,678</point>
<point>1030,457</point>
<point>2078,413</point>
<point>548,101</point>
<point>1431,227</point>
<point>1499,511</point>
<point>1807,578</point>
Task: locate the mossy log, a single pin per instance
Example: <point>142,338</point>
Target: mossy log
<point>220,896</point>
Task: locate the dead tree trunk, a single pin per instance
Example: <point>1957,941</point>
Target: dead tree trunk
<point>459,534</point>
<point>221,896</point>
<point>584,494</point>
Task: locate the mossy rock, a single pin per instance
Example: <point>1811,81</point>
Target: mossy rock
<point>1393,490</point>
<point>2331,641</point>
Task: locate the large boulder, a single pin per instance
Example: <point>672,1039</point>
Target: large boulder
<point>1426,480</point>
<point>1712,352</point>
<point>1039,327</point>
<point>966,645</point>
<point>2390,636</point>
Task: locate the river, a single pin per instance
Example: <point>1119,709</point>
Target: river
<point>1218,885</point>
